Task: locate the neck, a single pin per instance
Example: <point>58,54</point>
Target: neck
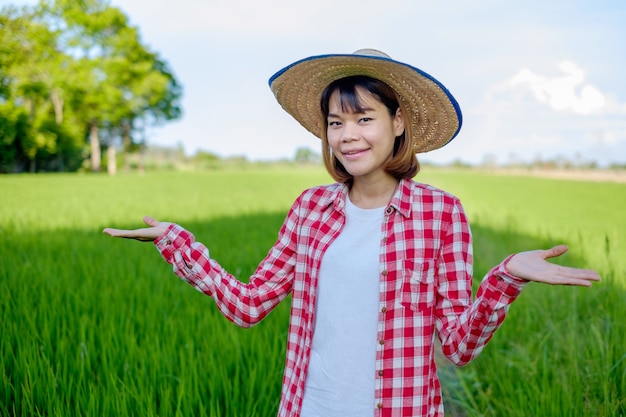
<point>375,193</point>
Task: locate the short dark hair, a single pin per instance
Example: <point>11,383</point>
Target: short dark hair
<point>404,163</point>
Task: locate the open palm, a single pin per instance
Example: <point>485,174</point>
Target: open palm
<point>146,234</point>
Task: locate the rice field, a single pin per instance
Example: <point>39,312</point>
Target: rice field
<point>96,326</point>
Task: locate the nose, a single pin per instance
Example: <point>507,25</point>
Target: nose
<point>349,132</point>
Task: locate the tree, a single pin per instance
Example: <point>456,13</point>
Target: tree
<point>35,133</point>
<point>13,128</point>
<point>80,71</point>
<point>121,81</point>
<point>306,155</point>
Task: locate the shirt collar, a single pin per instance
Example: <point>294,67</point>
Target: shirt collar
<point>339,196</point>
<point>402,199</point>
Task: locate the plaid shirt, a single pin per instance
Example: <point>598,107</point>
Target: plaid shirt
<point>425,289</point>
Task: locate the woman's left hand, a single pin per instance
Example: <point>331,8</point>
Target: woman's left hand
<point>532,266</point>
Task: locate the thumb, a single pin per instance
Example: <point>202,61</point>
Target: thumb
<point>150,221</point>
<point>555,251</point>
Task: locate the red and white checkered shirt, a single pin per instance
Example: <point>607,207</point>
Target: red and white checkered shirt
<point>425,289</point>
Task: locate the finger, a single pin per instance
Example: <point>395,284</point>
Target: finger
<point>110,231</point>
<point>150,221</point>
<point>563,275</point>
<point>579,274</point>
<point>138,234</point>
<point>555,251</point>
<point>118,232</point>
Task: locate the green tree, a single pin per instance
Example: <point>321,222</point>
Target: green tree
<point>121,84</point>
<point>31,80</point>
<point>14,127</point>
<point>306,155</point>
<point>80,71</point>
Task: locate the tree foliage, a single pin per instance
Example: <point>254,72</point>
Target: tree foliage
<point>306,155</point>
<point>75,77</point>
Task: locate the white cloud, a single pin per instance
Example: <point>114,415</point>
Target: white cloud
<point>531,114</point>
<point>567,92</point>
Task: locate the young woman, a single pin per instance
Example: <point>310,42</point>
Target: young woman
<point>377,264</point>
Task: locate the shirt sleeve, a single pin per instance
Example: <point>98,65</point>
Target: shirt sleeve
<point>465,326</point>
<point>243,304</point>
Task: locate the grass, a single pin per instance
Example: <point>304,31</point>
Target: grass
<point>97,326</point>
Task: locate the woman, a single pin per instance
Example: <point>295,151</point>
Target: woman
<point>377,264</point>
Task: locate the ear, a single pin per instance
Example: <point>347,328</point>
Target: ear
<point>398,122</point>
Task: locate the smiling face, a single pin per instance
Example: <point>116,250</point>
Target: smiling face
<point>365,123</point>
<point>362,133</point>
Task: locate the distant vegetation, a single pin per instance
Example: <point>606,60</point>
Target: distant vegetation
<point>174,158</point>
<point>159,158</point>
<point>75,80</point>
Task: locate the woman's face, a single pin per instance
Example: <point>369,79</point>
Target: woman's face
<point>363,140</point>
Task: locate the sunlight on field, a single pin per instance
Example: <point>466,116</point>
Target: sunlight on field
<point>98,326</point>
<point>47,202</point>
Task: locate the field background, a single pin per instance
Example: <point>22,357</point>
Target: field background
<point>96,326</point>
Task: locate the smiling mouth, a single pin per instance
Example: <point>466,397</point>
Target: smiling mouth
<point>355,152</point>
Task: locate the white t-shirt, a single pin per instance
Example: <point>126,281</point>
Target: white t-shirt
<point>341,374</point>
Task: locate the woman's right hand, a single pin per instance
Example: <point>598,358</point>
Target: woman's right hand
<point>146,234</point>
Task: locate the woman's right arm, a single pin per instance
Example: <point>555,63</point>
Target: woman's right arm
<point>243,304</point>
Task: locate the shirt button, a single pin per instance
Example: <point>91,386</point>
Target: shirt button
<point>385,239</point>
<point>383,310</point>
<point>389,210</point>
<point>379,405</point>
<point>380,373</point>
<point>385,273</point>
<point>168,242</point>
<point>381,341</point>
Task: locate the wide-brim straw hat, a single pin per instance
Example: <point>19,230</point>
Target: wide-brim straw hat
<point>433,113</point>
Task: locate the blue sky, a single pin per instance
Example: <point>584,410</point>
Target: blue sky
<point>533,78</point>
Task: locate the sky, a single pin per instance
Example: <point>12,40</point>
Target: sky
<point>534,79</point>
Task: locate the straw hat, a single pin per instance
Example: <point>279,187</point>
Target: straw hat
<point>434,115</point>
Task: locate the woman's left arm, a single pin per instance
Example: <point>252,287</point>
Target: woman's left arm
<point>465,326</point>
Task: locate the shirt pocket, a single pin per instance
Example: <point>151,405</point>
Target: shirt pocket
<point>418,285</point>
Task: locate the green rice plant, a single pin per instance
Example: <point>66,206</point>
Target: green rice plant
<point>95,326</point>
